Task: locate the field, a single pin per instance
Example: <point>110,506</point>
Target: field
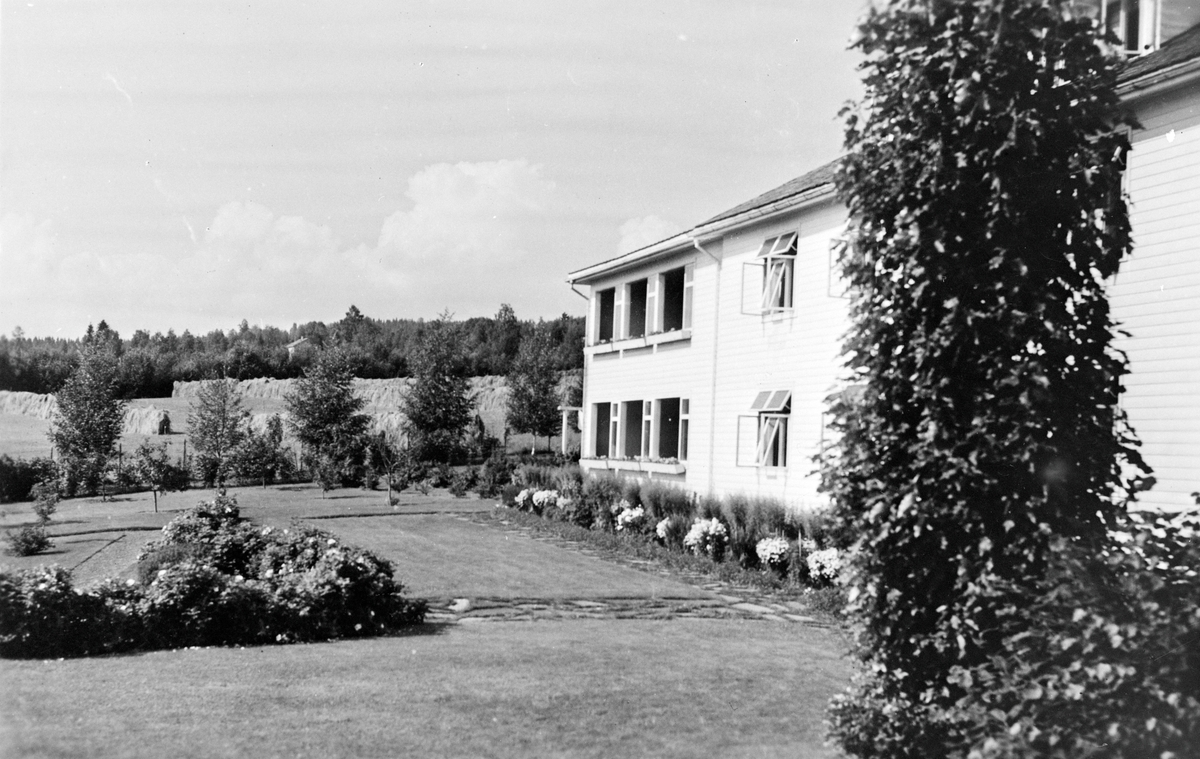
<point>534,648</point>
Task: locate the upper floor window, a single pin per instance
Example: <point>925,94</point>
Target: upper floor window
<point>1142,25</point>
<point>676,288</point>
<point>778,257</point>
<point>647,306</point>
<point>605,310</point>
<point>636,298</point>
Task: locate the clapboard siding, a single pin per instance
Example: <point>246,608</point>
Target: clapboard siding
<point>1156,296</point>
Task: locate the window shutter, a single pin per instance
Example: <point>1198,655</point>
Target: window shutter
<point>688,271</point>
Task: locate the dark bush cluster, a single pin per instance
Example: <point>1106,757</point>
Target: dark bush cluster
<point>18,476</point>
<point>214,579</point>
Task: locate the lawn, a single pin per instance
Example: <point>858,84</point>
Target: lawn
<point>550,687</point>
<point>586,688</point>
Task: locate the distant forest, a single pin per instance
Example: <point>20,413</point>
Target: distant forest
<point>149,365</point>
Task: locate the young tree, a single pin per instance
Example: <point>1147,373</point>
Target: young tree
<point>217,425</point>
<point>87,420</point>
<point>983,182</point>
<point>325,415</point>
<point>438,406</point>
<point>261,456</point>
<point>533,399</point>
<point>153,468</point>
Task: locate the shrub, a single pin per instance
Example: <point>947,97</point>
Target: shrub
<point>824,566</point>
<point>236,583</point>
<point>662,500</point>
<point>493,475</point>
<point>671,531</point>
<point>161,556</point>
<point>45,499</point>
<point>18,477</point>
<point>508,495</point>
<point>632,520</point>
<point>41,615</point>
<point>29,540</point>
<point>774,553</point>
<point>462,481</point>
<point>535,476</point>
<point>707,537</point>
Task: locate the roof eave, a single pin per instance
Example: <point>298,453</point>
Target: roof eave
<point>1156,81</point>
<point>810,197</point>
<point>666,247</point>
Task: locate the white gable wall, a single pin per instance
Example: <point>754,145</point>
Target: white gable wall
<point>796,351</point>
<point>1156,296</point>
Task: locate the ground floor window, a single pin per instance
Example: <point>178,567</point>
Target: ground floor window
<point>651,429</point>
<point>763,433</point>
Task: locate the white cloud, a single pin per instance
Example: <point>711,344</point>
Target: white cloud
<point>467,243</point>
<point>643,231</point>
<point>467,213</point>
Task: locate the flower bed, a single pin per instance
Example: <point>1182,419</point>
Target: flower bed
<point>757,535</point>
<point>213,579</point>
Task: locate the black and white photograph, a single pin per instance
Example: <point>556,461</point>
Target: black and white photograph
<point>457,378</point>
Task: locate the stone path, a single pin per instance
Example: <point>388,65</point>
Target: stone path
<point>721,606</point>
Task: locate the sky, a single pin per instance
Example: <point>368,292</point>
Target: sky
<point>189,165</point>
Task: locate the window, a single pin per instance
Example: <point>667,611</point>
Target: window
<point>771,291</point>
<point>779,268</point>
<point>647,428</point>
<point>631,417</point>
<point>675,288</point>
<point>773,409</point>
<point>1142,25</point>
<point>684,418</point>
<point>636,297</point>
<point>765,430</point>
<point>602,414</point>
<point>605,315</point>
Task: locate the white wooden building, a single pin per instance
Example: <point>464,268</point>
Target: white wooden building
<point>710,355</point>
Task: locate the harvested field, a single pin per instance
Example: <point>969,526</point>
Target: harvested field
<point>24,417</point>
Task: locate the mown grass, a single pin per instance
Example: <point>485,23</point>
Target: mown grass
<point>682,688</point>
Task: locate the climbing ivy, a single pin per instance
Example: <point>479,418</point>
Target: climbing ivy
<point>983,181</point>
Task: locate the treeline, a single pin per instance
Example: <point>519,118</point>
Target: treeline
<point>148,365</point>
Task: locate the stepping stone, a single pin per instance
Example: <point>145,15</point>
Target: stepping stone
<point>460,605</point>
<point>753,608</point>
<point>590,604</point>
<point>774,617</point>
<point>794,605</point>
<point>729,599</point>
<point>799,618</point>
<point>780,607</point>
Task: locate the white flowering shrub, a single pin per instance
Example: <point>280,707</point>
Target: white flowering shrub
<point>523,499</point>
<point>661,529</point>
<point>773,552</point>
<point>708,537</point>
<point>631,519</point>
<point>544,498</point>
<point>823,566</point>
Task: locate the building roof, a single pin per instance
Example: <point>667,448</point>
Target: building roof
<point>812,180</point>
<point>1178,49</point>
